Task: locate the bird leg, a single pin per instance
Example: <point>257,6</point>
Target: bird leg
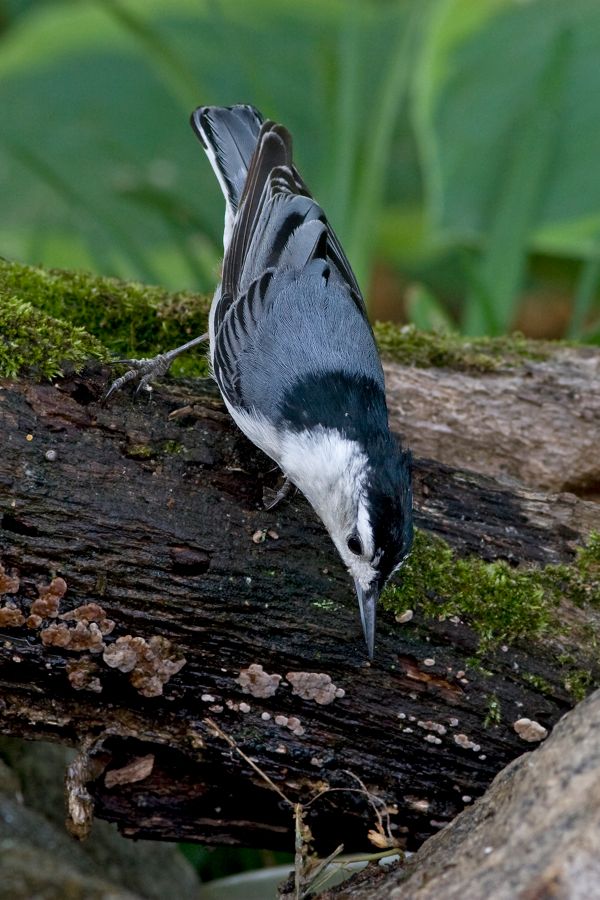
<point>148,370</point>
<point>282,494</point>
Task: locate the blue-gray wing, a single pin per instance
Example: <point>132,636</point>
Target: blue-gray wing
<point>285,279</point>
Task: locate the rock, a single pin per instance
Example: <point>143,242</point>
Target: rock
<point>28,872</point>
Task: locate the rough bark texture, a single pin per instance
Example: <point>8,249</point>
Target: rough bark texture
<point>539,422</point>
<point>534,835</point>
<point>148,511</point>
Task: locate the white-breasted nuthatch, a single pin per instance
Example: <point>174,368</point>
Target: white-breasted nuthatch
<point>294,355</point>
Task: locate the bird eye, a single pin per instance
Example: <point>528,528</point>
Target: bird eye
<point>354,544</point>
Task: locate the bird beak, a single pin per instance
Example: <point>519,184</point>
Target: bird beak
<point>367,600</point>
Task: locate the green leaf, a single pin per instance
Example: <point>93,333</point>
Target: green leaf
<point>377,140</point>
<point>519,197</point>
<point>98,95</point>
<point>425,311</point>
<point>472,97</point>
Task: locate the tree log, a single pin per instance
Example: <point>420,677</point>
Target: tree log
<point>153,513</point>
<point>535,834</point>
<point>538,422</point>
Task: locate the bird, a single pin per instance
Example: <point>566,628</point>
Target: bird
<point>294,355</point>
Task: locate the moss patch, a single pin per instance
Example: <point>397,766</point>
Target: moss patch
<point>494,712</point>
<point>423,349</point>
<point>539,683</point>
<point>33,342</point>
<point>501,604</point>
<point>324,603</point>
<point>127,318</point>
<point>584,576</point>
<point>137,320</point>
<point>579,683</point>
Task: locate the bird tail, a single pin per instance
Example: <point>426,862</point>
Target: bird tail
<point>229,135</point>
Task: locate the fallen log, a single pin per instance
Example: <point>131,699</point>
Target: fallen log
<point>201,651</point>
<point>538,421</point>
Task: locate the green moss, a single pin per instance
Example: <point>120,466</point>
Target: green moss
<point>136,320</point>
<point>130,319</point>
<point>494,712</point>
<point>585,575</point>
<point>475,664</point>
<point>501,604</point>
<point>579,683</point>
<point>325,604</point>
<point>423,349</point>
<point>33,342</point>
<point>140,451</point>
<point>171,447</point>
<point>149,451</point>
<point>504,605</point>
<point>539,683</point>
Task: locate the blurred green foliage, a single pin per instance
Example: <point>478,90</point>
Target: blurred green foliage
<point>452,142</point>
<point>219,862</point>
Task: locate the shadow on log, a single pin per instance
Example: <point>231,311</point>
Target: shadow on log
<point>146,591</point>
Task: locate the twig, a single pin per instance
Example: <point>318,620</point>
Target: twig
<point>220,733</point>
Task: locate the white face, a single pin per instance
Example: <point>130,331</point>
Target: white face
<point>331,472</point>
<point>360,565</point>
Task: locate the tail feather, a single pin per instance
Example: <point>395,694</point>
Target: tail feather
<point>266,199</point>
<point>229,136</point>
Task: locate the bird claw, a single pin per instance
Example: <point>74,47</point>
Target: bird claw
<point>282,494</point>
<point>147,370</point>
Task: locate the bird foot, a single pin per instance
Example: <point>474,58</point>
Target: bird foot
<point>148,370</point>
<point>285,491</point>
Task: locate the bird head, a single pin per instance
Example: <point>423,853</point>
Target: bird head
<point>362,492</point>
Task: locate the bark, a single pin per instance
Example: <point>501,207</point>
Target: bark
<point>534,835</point>
<point>152,515</point>
<point>539,422</point>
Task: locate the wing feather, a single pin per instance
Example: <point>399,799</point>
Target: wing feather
<point>278,228</point>
<point>271,152</point>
